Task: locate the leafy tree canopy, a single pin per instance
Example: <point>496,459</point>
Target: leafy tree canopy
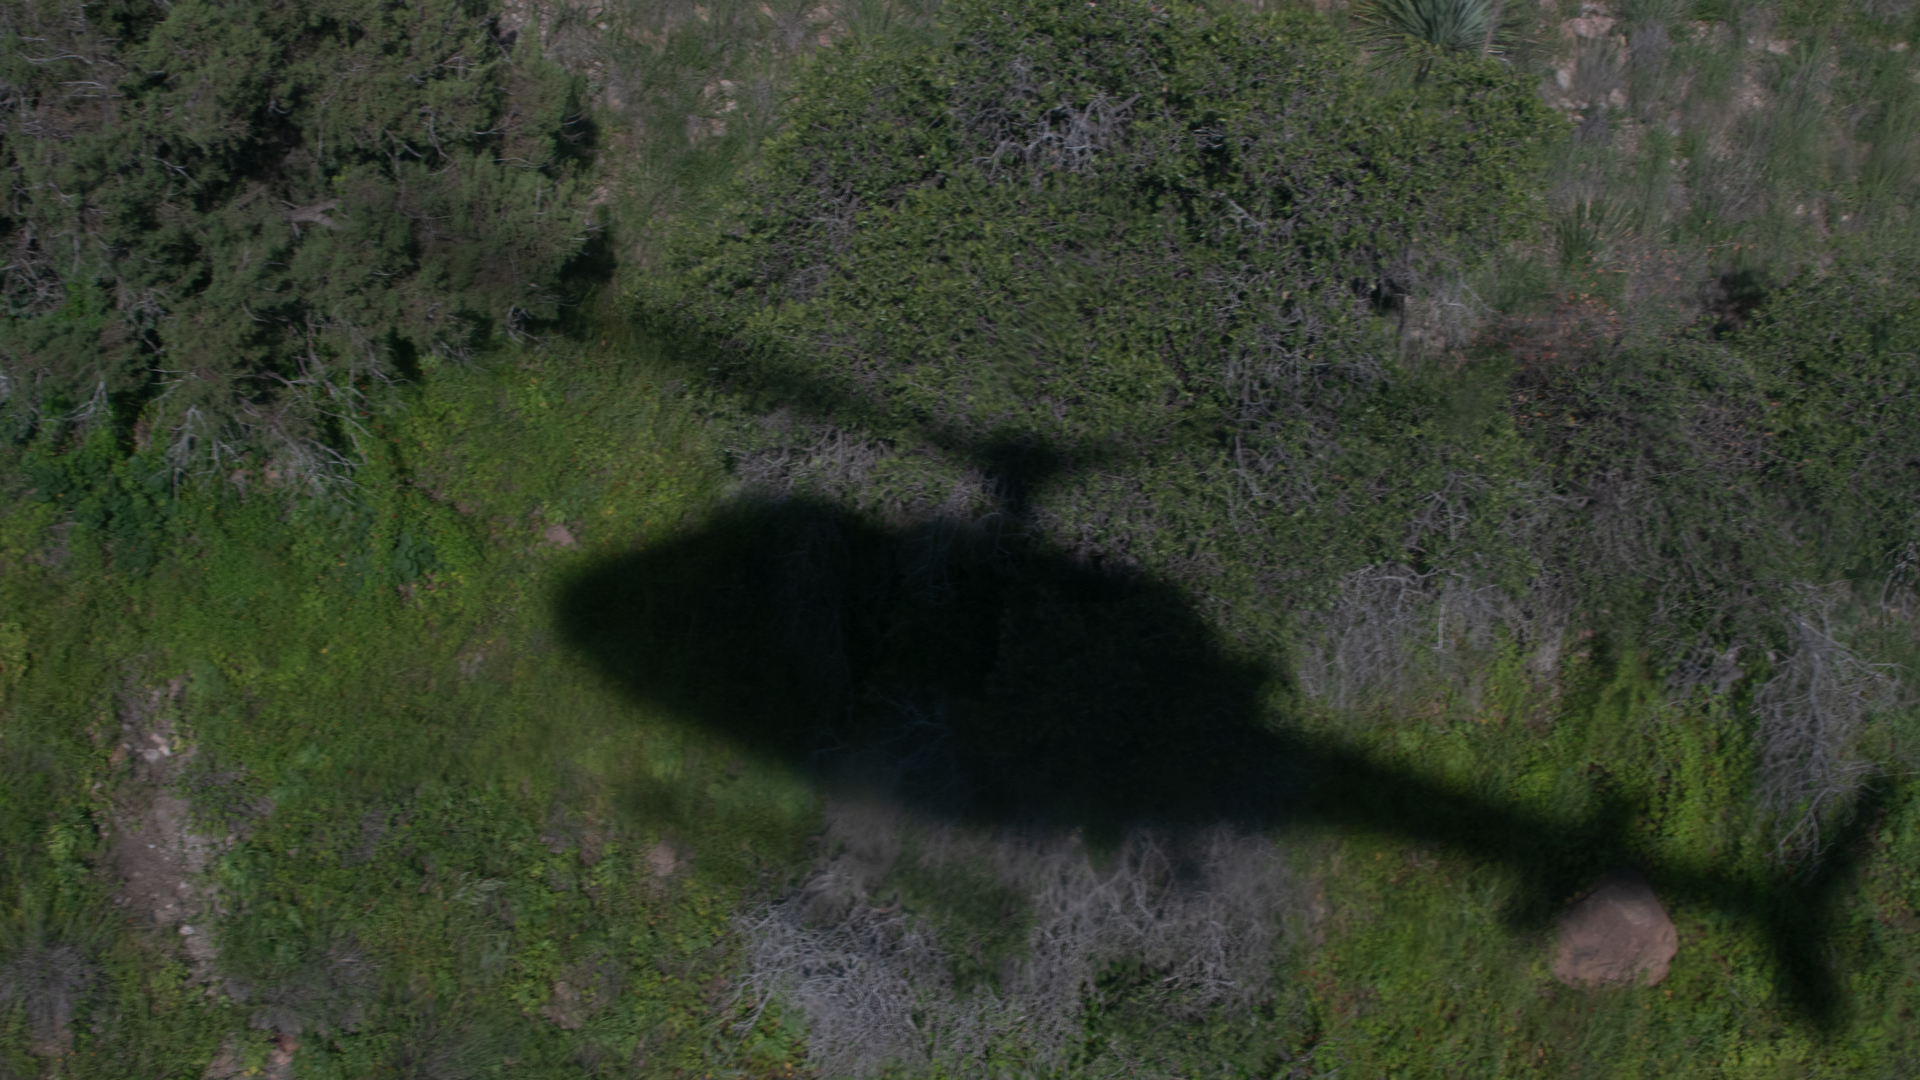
<point>225,223</point>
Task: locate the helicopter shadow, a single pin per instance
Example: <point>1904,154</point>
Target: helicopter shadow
<point>974,675</point>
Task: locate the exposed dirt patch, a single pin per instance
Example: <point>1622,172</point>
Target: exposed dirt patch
<point>584,991</point>
<point>1555,341</point>
<point>234,1060</point>
<point>158,858</point>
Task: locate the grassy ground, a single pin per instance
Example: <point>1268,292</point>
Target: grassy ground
<point>445,846</point>
<point>1434,968</point>
<point>442,845</point>
<point>428,839</point>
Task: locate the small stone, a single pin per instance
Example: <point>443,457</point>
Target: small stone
<point>1617,933</point>
<point>662,860</point>
<point>1590,26</point>
<point>186,931</point>
<point>565,1009</point>
<point>558,536</point>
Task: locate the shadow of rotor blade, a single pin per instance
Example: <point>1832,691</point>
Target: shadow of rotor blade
<point>1019,463</point>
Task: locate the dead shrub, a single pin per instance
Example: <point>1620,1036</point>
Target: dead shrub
<point>1392,633</point>
<point>1203,911</point>
<point>1812,713</point>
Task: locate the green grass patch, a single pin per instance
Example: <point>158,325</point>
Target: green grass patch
<point>439,841</point>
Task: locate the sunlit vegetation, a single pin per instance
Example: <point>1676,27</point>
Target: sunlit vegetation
<point>891,539</point>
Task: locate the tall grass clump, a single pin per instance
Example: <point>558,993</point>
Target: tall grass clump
<point>1733,148</point>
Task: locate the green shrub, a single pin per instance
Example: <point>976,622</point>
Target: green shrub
<point>1705,479</point>
<point>122,502</point>
<point>229,224</point>
<point>1838,353</point>
<point>1128,265</point>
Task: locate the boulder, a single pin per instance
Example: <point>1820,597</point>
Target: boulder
<point>1617,933</point>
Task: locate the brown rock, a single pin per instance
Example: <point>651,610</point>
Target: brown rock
<point>280,1058</point>
<point>1617,933</point>
<point>565,1008</point>
<point>559,536</point>
<point>662,860</point>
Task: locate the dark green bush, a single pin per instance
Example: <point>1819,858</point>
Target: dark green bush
<point>227,223</point>
<point>1083,219</point>
<point>1166,242</point>
<point>1839,353</point>
<point>123,503</point>
<point>1704,478</point>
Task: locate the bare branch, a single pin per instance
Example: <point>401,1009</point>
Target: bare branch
<point>1811,715</point>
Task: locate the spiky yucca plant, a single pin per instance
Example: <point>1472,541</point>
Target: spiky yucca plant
<point>1416,29</point>
<point>1584,232</point>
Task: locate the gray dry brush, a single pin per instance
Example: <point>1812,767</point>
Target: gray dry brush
<point>47,979</point>
<point>1812,714</point>
<point>1204,913</point>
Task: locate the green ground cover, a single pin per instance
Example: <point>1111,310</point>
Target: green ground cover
<point>1561,522</point>
<point>415,774</point>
